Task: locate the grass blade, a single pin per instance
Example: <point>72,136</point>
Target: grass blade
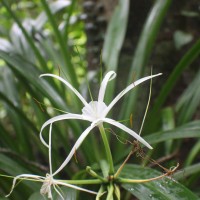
<point>187,59</point>
<point>27,36</point>
<point>189,101</point>
<point>143,50</point>
<point>70,71</point>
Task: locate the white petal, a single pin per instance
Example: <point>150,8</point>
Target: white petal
<point>127,89</point>
<point>73,186</point>
<point>94,110</point>
<point>50,162</point>
<point>68,85</point>
<point>108,77</point>
<point>75,147</point>
<point>28,176</point>
<point>58,118</point>
<point>128,130</point>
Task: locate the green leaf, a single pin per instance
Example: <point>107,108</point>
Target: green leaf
<point>168,119</point>
<point>69,68</point>
<point>25,33</point>
<point>104,167</point>
<point>19,43</point>
<point>68,194</point>
<point>5,138</point>
<point>37,196</point>
<point>168,123</point>
<point>54,7</point>
<point>114,40</point>
<point>187,59</point>
<point>188,130</point>
<point>144,49</point>
<point>117,192</point>
<point>115,35</point>
<point>194,152</point>
<point>181,39</point>
<point>187,171</point>
<point>5,45</point>
<point>9,86</point>
<point>31,74</point>
<point>189,101</point>
<point>18,111</point>
<point>13,168</point>
<point>101,192</point>
<point>163,189</point>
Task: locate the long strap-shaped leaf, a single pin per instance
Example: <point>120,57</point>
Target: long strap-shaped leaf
<point>163,189</point>
<point>187,59</point>
<point>114,39</point>
<point>144,49</point>
<point>27,36</point>
<point>188,130</point>
<point>63,46</point>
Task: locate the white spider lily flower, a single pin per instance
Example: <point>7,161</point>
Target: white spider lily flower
<point>47,181</point>
<point>94,112</point>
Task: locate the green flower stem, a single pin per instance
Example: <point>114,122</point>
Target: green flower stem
<point>107,149</point>
<point>95,175</point>
<point>126,180</point>
<point>82,182</point>
<point>100,192</point>
<point>110,192</point>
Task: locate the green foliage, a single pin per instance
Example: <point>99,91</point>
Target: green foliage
<point>165,188</point>
<point>46,41</point>
<point>120,16</point>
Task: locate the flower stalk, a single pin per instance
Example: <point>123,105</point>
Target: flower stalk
<point>83,182</point>
<point>110,192</point>
<point>107,149</point>
<point>95,175</point>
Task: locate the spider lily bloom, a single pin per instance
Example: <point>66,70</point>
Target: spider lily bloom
<point>47,181</point>
<point>94,112</point>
